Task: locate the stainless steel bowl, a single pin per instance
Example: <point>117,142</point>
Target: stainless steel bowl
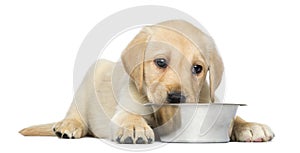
<point>209,122</point>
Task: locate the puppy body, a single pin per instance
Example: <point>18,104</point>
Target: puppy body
<point>109,102</point>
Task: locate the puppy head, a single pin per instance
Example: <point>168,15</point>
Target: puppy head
<point>170,61</point>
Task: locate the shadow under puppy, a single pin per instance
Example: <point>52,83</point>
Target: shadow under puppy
<point>165,63</point>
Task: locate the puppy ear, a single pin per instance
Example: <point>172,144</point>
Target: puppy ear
<point>133,58</point>
<point>216,69</point>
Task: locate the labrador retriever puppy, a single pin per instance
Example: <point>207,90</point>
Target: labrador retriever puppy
<point>165,63</point>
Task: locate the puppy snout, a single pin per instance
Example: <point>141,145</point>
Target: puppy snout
<point>176,97</point>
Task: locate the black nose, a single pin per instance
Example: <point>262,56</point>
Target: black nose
<point>176,97</point>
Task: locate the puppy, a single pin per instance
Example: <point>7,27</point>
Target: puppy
<point>165,63</point>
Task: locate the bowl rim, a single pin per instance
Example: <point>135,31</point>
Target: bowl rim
<point>192,104</point>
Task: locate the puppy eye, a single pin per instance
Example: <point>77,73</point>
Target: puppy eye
<point>161,62</point>
<point>196,69</point>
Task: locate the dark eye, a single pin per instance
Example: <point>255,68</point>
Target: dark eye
<point>196,69</point>
<point>161,62</point>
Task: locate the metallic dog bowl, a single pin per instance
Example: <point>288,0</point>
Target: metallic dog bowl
<point>208,122</point>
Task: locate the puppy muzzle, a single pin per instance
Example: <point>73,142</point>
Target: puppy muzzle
<point>175,97</point>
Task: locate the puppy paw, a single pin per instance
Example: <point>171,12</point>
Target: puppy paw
<point>134,134</point>
<point>251,132</point>
<point>69,129</point>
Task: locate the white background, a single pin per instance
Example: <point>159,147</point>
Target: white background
<point>258,40</point>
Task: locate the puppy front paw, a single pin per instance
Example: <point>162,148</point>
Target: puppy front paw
<point>69,129</point>
<point>134,134</point>
<point>251,132</point>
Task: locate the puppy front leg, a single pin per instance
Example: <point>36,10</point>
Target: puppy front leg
<point>250,131</point>
<point>131,129</point>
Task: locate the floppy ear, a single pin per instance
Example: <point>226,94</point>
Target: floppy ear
<point>133,58</point>
<point>216,69</point>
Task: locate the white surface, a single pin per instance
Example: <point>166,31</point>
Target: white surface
<point>258,40</point>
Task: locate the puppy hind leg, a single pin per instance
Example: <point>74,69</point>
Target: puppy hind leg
<point>69,129</point>
<point>72,126</point>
